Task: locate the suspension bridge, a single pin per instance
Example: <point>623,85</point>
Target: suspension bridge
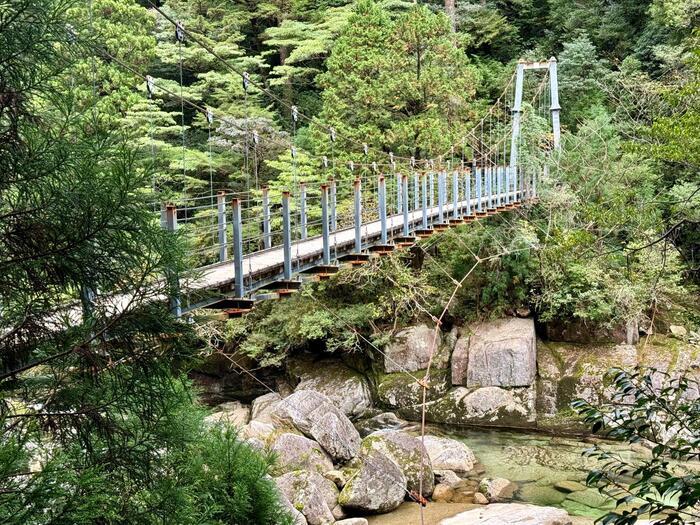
<point>263,243</point>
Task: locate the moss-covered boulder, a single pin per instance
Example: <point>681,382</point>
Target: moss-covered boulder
<point>348,389</point>
<point>311,494</point>
<point>375,484</point>
<point>486,406</point>
<point>411,349</point>
<point>407,452</point>
<point>401,390</point>
<point>295,452</point>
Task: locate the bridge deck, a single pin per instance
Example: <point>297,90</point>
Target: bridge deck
<point>265,266</point>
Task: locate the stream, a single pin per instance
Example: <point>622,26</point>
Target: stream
<point>537,462</point>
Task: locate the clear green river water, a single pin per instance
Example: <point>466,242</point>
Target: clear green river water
<point>536,463</point>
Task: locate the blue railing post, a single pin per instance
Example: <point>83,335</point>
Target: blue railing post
<point>479,189</point>
<point>173,279</point>
<point>499,186</point>
<point>358,216</point>
<point>441,217</point>
<point>399,194</point>
<point>238,247</point>
<point>381,184</point>
<point>267,238</point>
<point>432,189</point>
<point>489,188</point>
<point>302,209</point>
<point>455,195</point>
<point>516,112</point>
<point>334,201</point>
<point>406,225</point>
<point>324,225</point>
<point>468,193</point>
<point>416,192</point>
<point>424,195</point>
<point>221,224</point>
<point>508,184</point>
<point>554,97</point>
<point>286,237</point>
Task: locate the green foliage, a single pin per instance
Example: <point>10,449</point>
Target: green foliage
<point>598,211</point>
<point>498,282</point>
<point>400,85</point>
<point>613,26</point>
<point>207,82</point>
<point>308,44</point>
<point>484,29</point>
<point>676,13</point>
<point>661,412</point>
<point>343,314</point>
<point>97,424</point>
<point>582,74</point>
<point>173,469</point>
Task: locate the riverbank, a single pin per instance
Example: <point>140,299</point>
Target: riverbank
<point>344,428</point>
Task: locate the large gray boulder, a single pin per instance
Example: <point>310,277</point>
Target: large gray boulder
<point>297,517</point>
<point>310,493</point>
<point>449,454</point>
<point>262,407</point>
<point>405,451</point>
<point>460,360</point>
<point>509,513</point>
<point>489,405</point>
<point>400,389</point>
<point>411,348</point>
<point>346,388</point>
<point>257,430</point>
<point>501,353</point>
<point>295,452</point>
<point>317,417</point>
<point>375,485</point>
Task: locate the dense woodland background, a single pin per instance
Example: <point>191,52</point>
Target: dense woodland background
<point>99,422</point>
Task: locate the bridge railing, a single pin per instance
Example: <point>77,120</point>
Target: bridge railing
<point>323,222</point>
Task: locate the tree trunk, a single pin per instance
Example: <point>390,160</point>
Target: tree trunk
<point>451,13</point>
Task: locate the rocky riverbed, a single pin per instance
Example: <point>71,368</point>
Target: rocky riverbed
<point>347,448</point>
<point>330,470</point>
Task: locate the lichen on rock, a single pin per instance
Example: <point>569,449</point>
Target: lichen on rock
<point>407,452</point>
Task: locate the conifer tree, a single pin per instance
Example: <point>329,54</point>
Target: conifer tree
<point>97,422</point>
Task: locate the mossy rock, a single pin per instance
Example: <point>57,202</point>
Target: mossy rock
<point>401,390</point>
<point>566,392</point>
<point>405,451</point>
<point>492,406</point>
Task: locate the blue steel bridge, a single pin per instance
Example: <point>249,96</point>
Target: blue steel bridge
<point>267,251</point>
<point>260,243</point>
